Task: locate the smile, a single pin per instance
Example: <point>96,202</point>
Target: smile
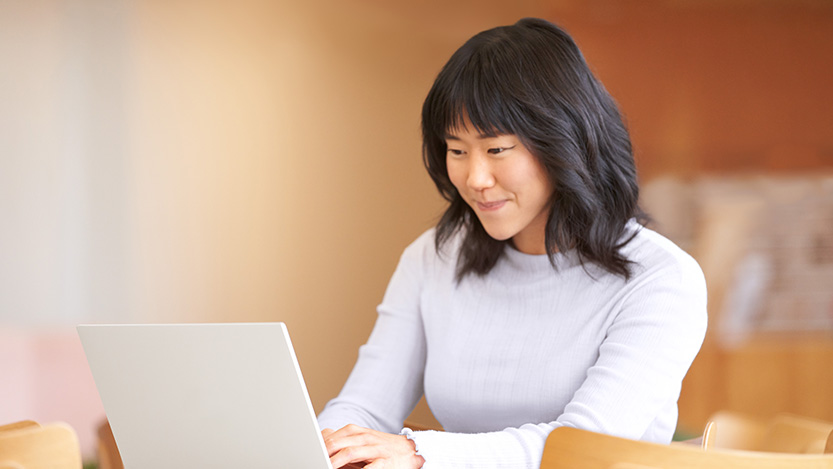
<point>490,206</point>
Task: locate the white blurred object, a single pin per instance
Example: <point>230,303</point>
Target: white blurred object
<point>744,299</point>
<point>765,244</point>
<point>669,202</point>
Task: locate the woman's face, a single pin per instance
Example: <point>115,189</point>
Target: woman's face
<point>503,183</point>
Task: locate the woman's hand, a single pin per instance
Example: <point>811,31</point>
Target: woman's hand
<point>353,446</point>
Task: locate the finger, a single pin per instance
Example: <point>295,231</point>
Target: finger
<point>336,444</point>
<point>354,455</point>
<point>342,432</point>
<point>350,435</point>
<point>351,429</point>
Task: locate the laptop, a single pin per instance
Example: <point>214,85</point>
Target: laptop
<point>204,395</point>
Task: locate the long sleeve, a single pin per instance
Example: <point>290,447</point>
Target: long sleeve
<point>506,358</point>
<point>386,382</point>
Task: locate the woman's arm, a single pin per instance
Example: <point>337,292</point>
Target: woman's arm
<point>386,382</point>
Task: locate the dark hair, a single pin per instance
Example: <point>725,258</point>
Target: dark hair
<point>531,80</point>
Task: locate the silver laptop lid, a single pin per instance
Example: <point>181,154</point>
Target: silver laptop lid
<point>204,395</point>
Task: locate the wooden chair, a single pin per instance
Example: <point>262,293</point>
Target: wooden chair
<point>30,445</point>
<point>733,430</point>
<point>17,425</point>
<point>705,441</point>
<point>789,433</point>
<point>784,433</point>
<point>570,448</point>
<point>709,436</point>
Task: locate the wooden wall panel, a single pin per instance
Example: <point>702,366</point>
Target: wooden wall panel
<point>724,86</point>
<point>761,378</point>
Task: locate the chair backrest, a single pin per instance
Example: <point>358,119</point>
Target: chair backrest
<point>20,424</point>
<point>705,441</point>
<point>828,448</point>
<point>784,433</point>
<point>30,445</point>
<point>733,430</point>
<point>571,448</point>
<point>789,433</point>
<point>709,436</point>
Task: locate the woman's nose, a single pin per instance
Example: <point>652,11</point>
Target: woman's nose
<point>480,173</point>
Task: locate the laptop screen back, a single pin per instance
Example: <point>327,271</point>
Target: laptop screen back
<point>204,395</point>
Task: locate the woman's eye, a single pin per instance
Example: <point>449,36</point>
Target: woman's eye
<point>498,150</point>
<point>455,152</point>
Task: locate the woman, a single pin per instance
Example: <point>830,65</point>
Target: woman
<point>538,300</point>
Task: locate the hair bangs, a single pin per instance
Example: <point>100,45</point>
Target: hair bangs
<point>479,93</point>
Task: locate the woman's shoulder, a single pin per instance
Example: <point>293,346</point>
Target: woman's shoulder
<point>424,240</point>
<point>651,252</point>
<point>422,244</point>
<point>426,244</point>
<point>424,252</point>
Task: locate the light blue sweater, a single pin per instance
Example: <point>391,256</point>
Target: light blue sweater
<point>506,358</point>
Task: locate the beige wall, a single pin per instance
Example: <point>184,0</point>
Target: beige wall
<point>275,165</point>
<point>217,161</point>
<point>277,170</point>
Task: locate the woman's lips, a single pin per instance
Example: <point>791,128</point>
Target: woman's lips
<point>490,206</point>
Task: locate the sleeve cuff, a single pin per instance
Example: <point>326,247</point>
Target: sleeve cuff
<point>409,434</point>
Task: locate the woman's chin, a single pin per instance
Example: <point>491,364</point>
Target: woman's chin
<point>499,235</point>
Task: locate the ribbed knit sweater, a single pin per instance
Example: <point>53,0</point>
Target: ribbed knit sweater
<point>505,358</point>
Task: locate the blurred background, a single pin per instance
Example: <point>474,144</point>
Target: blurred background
<point>216,161</point>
